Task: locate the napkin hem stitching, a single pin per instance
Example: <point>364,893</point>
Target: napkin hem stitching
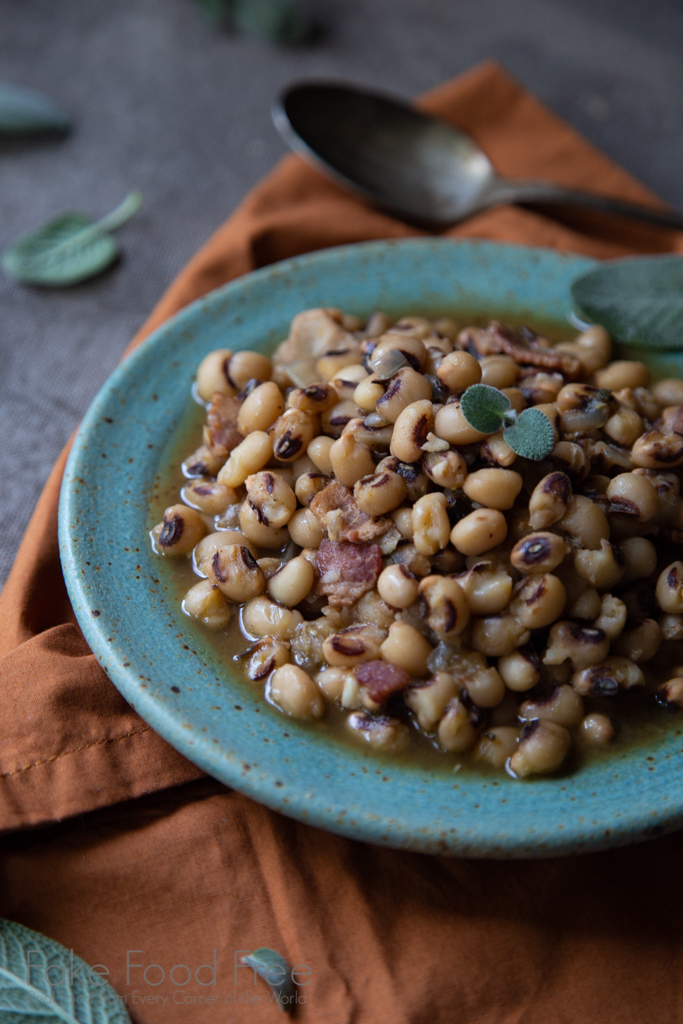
<point>76,750</point>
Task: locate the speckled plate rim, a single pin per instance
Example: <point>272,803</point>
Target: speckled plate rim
<point>164,668</point>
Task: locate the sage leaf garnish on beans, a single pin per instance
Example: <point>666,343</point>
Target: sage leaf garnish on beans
<point>42,981</point>
<point>26,112</point>
<point>272,21</point>
<point>529,433</point>
<point>69,248</point>
<point>270,966</point>
<point>638,300</point>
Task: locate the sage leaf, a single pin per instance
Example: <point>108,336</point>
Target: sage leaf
<point>270,966</point>
<point>531,436</point>
<point>484,407</point>
<point>41,981</point>
<point>638,300</point>
<point>69,248</point>
<point>273,21</point>
<point>26,112</point>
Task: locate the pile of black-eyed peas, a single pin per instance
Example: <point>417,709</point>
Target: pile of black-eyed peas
<point>381,555</point>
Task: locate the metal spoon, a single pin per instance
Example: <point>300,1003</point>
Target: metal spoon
<point>416,166</point>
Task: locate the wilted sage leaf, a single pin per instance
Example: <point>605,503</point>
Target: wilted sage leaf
<point>26,112</point>
<point>484,408</point>
<point>67,249</point>
<point>270,966</point>
<point>42,981</point>
<point>638,300</point>
<point>531,436</point>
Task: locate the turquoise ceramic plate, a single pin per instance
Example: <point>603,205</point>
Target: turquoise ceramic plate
<point>141,638</point>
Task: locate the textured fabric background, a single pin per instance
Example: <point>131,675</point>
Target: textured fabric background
<point>164,103</point>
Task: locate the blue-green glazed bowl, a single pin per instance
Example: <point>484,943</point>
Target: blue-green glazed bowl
<point>140,636</point>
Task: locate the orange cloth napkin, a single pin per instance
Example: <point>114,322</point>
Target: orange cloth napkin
<point>195,869</point>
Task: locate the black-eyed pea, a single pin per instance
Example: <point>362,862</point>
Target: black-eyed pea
<point>656,450</point>
<point>208,496</point>
<point>410,431</point>
<point>446,468</point>
<point>347,380</point>
<point>205,603</point>
<point>314,398</point>
<point>446,610</point>
<point>641,643</point>
<point>624,427</point>
<point>640,558</point>
<point>402,519</point>
<point>583,408</point>
<point>634,495</point>
<point>479,531</point>
<point>485,687</point>
<point>669,590</point>
<point>305,529</point>
<point>235,571</point>
<point>520,671</point>
<point>406,386</point>
<point>397,586</point>
<point>671,627</point>
<point>408,555</point>
<point>612,618</point>
<point>516,398</point>
<point>488,588</point>
<point>213,542</point>
<point>265,656</point>
<point>318,452</point>
<point>586,605</point>
<point>409,346</point>
<point>178,532</point>
<point>380,492</point>
<point>271,497</point>
<point>456,733</point>
<point>350,460</point>
<point>610,677</point>
<point>542,748</point>
<point>498,635</point>
<point>562,705</point>
<point>338,417</point>
<point>261,408</point>
<point>549,500</point>
<point>623,373</point>
<point>258,532</point>
<point>248,457</point>
<point>372,610</point>
<point>376,438</point>
<point>451,425</point>
<point>448,562</point>
<point>246,366</point>
<point>496,449</point>
<point>670,695</point>
<point>368,392</point>
<point>293,582</point>
<point>669,391</point>
<point>212,375</point>
<point>308,485</point>
<point>428,701</point>
<point>459,371</point>
<point>585,522</point>
<point>597,730</point>
<point>499,371</point>
<point>603,569</point>
<point>593,348</point>
<point>379,731</point>
<point>353,645</point>
<point>331,682</point>
<point>493,488</point>
<point>330,365</point>
<point>431,526</point>
<point>269,566</point>
<point>292,433</point>
<point>496,745</point>
<point>202,462</point>
<point>538,552</point>
<point>263,617</point>
<point>572,458</point>
<point>293,691</point>
<point>406,647</point>
<point>582,645</point>
<point>538,601</point>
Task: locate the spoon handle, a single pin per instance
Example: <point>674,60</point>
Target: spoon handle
<point>542,192</point>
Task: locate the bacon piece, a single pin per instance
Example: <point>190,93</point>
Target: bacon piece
<point>526,348</point>
<point>221,434</point>
<point>338,513</point>
<point>347,571</point>
<point>381,679</point>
